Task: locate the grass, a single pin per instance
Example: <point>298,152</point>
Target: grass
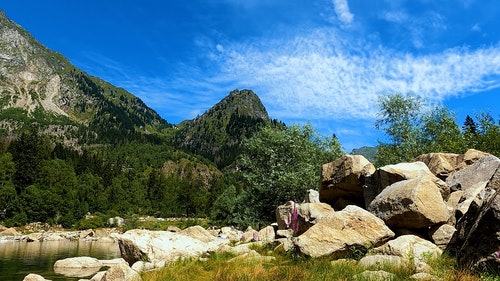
<point>289,266</point>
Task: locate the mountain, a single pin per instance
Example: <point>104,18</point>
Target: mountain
<point>217,134</point>
<point>40,86</point>
<point>369,152</point>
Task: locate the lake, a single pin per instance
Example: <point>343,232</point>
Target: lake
<point>18,259</point>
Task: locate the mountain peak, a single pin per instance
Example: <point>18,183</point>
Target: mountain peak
<point>244,102</point>
<point>217,133</point>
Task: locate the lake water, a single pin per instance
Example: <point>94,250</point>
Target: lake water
<point>18,259</point>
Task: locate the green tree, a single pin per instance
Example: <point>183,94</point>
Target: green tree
<point>399,118</point>
<point>440,132</point>
<point>489,134</point>
<point>414,128</point>
<point>470,132</point>
<point>8,195</point>
<point>278,165</point>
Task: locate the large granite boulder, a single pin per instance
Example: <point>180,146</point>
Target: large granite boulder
<point>121,272</point>
<point>442,164</point>
<point>412,204</point>
<point>390,174</point>
<point>155,246</point>
<point>409,247</point>
<point>307,214</point>
<point>198,232</point>
<point>77,266</point>
<point>345,178</point>
<point>441,235</point>
<point>476,243</point>
<point>34,277</point>
<point>473,179</point>
<point>342,232</point>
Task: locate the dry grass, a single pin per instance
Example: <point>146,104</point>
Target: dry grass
<point>288,267</point>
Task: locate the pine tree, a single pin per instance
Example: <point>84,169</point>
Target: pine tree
<point>469,125</point>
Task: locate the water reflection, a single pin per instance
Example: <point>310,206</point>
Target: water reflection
<point>18,259</point>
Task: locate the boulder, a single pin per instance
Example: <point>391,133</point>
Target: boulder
<point>442,164</point>
<point>110,263</point>
<point>239,249</point>
<point>307,214</point>
<point>409,247</point>
<point>378,275</point>
<point>345,177</point>
<point>424,276</point>
<point>472,155</point>
<point>53,237</point>
<point>267,234</point>
<point>198,232</point>
<point>473,179</point>
<point>121,272</point>
<point>311,196</point>
<point>250,235</point>
<point>34,237</point>
<point>173,228</point>
<point>34,277</point>
<point>86,233</point>
<point>10,232</point>
<point>141,266</point>
<point>230,233</point>
<point>414,203</point>
<point>77,267</point>
<point>442,234</point>
<point>342,232</point>
<point>380,261</point>
<point>153,246</point>
<point>252,255</point>
<point>476,243</point>
<point>390,174</point>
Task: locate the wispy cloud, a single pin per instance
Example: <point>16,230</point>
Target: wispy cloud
<point>342,10</point>
<point>322,76</point>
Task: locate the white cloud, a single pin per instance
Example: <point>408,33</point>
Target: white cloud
<point>342,10</point>
<point>320,76</point>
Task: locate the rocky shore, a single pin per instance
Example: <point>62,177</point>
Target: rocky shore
<point>397,214</point>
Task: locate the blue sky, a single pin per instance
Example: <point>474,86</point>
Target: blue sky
<point>321,61</point>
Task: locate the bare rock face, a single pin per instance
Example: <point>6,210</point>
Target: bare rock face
<point>155,246</point>
<point>345,178</point>
<point>476,243</point>
<point>391,174</point>
<point>413,204</point>
<point>338,234</point>
<point>473,179</point>
<point>308,214</point>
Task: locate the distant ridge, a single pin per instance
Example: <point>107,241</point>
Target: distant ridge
<point>368,152</point>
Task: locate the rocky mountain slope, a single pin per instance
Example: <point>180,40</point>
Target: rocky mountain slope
<point>37,84</point>
<point>218,133</point>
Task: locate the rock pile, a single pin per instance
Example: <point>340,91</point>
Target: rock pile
<point>397,214</point>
